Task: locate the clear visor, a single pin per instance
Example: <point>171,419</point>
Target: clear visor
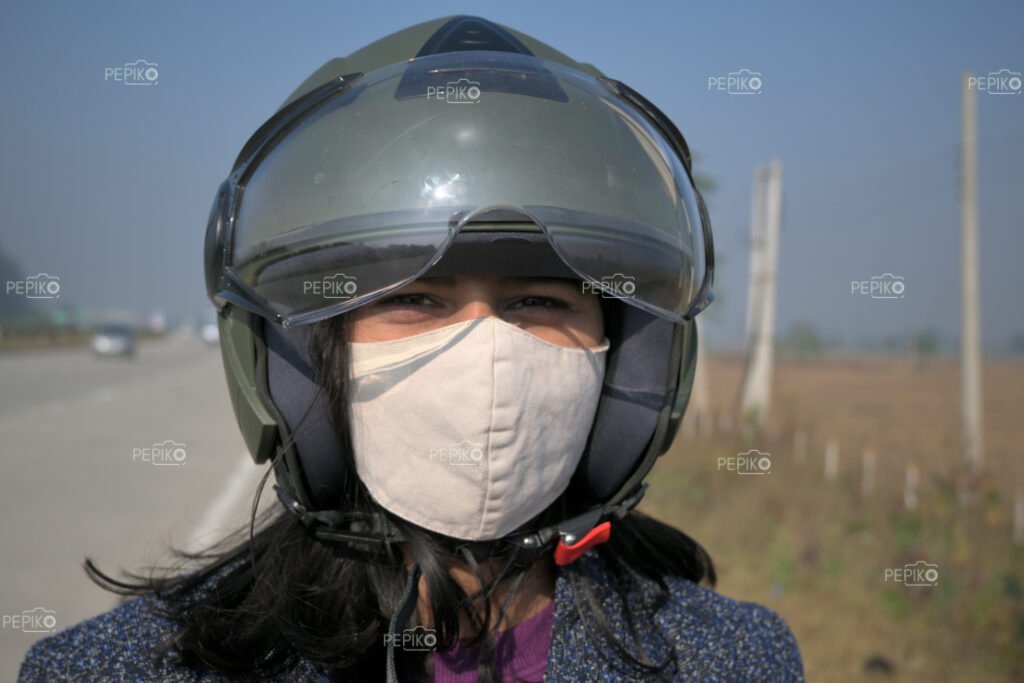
<point>365,190</point>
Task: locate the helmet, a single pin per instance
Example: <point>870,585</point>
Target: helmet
<point>582,177</point>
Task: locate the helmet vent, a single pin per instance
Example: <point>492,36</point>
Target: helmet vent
<point>472,33</point>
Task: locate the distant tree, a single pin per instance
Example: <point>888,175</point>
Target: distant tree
<point>802,340</point>
<point>12,307</point>
<point>1016,344</point>
<point>924,345</point>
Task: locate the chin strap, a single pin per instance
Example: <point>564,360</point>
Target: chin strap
<point>374,531</point>
<point>401,617</point>
<point>579,534</point>
<point>369,529</point>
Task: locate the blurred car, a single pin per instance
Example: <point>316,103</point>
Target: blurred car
<point>113,340</point>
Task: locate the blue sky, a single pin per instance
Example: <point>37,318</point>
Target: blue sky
<point>109,186</point>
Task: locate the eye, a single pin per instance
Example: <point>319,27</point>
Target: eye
<point>412,299</point>
<point>538,302</point>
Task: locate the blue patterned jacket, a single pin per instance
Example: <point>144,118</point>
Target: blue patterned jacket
<point>703,636</point>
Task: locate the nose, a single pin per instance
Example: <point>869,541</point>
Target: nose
<point>477,297</point>
<point>478,307</point>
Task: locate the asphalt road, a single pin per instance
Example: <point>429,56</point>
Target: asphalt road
<point>77,479</point>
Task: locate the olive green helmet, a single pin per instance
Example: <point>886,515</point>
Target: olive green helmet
<point>453,145</point>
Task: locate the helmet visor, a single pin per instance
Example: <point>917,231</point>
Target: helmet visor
<point>361,191</point>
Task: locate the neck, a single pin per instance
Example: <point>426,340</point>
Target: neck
<point>535,592</point>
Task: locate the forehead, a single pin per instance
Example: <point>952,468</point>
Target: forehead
<point>455,280</point>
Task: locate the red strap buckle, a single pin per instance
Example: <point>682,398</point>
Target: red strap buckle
<point>564,554</point>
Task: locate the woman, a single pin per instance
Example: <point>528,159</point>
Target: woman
<point>456,276</point>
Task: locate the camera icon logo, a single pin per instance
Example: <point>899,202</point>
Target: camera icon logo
<point>42,286</point>
<point>39,620</point>
<point>887,286</point>
<point>340,286</point>
<point>743,82</point>
<point>141,72</point>
<point>754,462</point>
<point>921,573</point>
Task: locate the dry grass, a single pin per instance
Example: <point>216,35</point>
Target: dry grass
<point>817,551</point>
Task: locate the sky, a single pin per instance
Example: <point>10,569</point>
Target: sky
<point>109,186</point>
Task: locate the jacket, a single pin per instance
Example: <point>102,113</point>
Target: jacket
<point>704,636</point>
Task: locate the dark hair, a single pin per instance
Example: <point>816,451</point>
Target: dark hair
<point>271,593</point>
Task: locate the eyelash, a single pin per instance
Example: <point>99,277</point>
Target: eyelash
<point>549,302</point>
<point>397,299</point>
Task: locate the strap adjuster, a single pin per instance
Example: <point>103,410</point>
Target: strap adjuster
<point>567,552</point>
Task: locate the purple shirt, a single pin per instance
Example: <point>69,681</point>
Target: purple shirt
<point>520,652</point>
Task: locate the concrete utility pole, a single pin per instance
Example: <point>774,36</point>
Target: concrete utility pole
<point>757,240</point>
<point>970,343</point>
<point>756,393</point>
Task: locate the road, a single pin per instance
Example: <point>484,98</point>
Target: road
<point>76,481</point>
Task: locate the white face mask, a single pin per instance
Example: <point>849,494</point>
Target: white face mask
<point>472,429</point>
